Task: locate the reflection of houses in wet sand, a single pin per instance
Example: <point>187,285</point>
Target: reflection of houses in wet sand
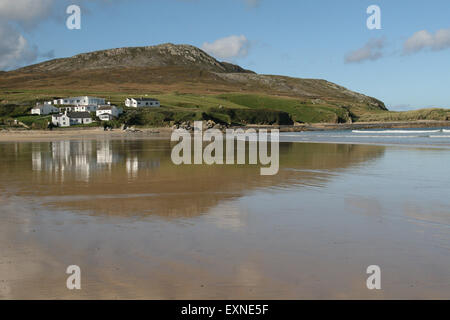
<point>41,157</point>
<point>36,158</point>
<point>72,156</point>
<point>61,153</point>
<point>82,167</point>
<point>80,158</point>
<point>106,155</point>
<point>51,158</point>
<point>104,152</point>
<point>133,165</point>
<point>63,157</point>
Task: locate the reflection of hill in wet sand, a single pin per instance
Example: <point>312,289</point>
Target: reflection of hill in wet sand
<point>137,177</point>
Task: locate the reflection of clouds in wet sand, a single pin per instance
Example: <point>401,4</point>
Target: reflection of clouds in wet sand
<point>228,215</point>
<point>23,265</point>
<point>363,205</point>
<point>134,261</point>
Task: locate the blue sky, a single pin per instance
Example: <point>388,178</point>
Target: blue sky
<point>308,39</point>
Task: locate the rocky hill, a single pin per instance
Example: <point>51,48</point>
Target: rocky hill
<point>152,56</point>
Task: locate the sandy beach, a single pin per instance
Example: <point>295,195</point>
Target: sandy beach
<point>88,133</point>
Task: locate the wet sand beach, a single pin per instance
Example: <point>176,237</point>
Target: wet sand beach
<point>140,227</point>
<point>77,133</point>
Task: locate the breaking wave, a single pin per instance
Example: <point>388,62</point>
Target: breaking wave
<point>398,131</point>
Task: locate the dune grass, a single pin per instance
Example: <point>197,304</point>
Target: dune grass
<point>414,115</point>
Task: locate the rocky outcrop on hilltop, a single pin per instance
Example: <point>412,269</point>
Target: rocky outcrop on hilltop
<point>132,57</point>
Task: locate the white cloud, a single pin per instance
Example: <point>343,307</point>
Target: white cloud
<point>423,39</point>
<point>25,12</point>
<point>228,48</point>
<point>16,15</point>
<point>372,50</point>
<point>14,48</point>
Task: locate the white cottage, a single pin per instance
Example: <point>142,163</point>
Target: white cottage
<point>142,102</point>
<point>44,109</point>
<point>71,118</point>
<point>79,118</point>
<point>61,120</point>
<point>111,110</point>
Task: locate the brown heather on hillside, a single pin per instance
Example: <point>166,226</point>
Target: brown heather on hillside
<point>168,67</point>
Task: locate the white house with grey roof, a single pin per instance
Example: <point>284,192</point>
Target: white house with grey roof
<point>79,118</point>
<point>68,119</point>
<point>142,102</point>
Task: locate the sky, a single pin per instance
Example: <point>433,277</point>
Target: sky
<point>405,63</point>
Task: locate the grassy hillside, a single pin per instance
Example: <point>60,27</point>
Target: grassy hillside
<point>230,108</point>
<point>185,104</point>
<point>175,108</point>
<point>300,110</point>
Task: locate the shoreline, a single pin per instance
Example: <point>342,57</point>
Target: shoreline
<point>164,132</point>
<point>80,133</point>
<point>358,126</point>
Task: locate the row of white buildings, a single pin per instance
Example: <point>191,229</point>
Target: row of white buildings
<point>81,115</point>
<point>88,104</point>
<point>77,110</point>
